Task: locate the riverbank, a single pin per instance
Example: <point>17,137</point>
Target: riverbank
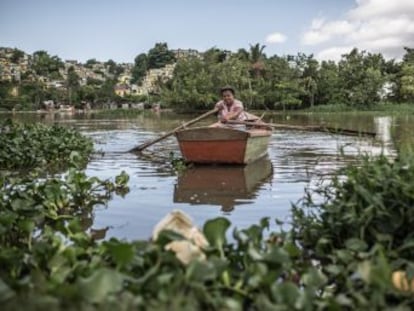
<point>389,108</point>
<point>386,107</point>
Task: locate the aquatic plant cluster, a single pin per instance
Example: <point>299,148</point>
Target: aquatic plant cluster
<point>26,146</point>
<point>345,242</point>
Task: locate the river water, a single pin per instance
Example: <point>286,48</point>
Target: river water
<point>244,195</point>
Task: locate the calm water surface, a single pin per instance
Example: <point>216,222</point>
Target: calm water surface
<point>243,194</point>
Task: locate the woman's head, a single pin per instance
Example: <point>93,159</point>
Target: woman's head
<point>227,93</point>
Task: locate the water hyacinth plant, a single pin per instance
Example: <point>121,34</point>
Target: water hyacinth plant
<point>27,146</point>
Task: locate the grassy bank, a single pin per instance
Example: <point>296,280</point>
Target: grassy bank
<point>386,107</point>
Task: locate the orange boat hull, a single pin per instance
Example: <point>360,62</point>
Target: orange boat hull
<point>219,145</point>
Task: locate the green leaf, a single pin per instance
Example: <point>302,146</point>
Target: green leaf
<point>100,284</point>
<point>277,256</point>
<point>344,255</point>
<point>314,278</point>
<point>215,232</point>
<point>26,225</point>
<point>356,245</point>
<point>292,249</point>
<point>121,252</point>
<point>288,293</point>
<point>334,269</point>
<point>122,179</point>
<point>201,271</point>
<point>343,300</point>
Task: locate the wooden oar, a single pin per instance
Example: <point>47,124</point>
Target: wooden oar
<point>151,142</point>
<point>315,128</point>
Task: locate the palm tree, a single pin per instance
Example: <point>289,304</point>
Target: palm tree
<point>256,57</point>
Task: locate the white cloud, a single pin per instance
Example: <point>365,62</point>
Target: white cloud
<point>276,37</point>
<point>333,53</point>
<point>384,26</point>
<point>377,8</point>
<point>321,31</point>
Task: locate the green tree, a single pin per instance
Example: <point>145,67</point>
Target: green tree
<point>114,68</point>
<point>282,85</point>
<point>256,53</point>
<point>94,82</point>
<point>58,95</point>
<point>72,84</point>
<point>106,92</point>
<point>46,65</point>
<point>214,55</point>
<point>140,68</point>
<point>407,76</point>
<point>233,72</point>
<point>17,56</point>
<point>196,82</point>
<point>290,92</point>
<point>191,87</point>
<point>90,62</point>
<point>256,58</point>
<point>362,77</point>
<point>88,93</point>
<point>309,68</point>
<point>242,54</point>
<point>329,88</point>
<point>159,56</point>
<point>31,95</point>
<point>310,87</point>
<point>6,101</point>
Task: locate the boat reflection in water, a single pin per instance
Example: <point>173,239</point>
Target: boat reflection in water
<point>226,186</point>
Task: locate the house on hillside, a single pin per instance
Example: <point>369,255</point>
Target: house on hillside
<point>185,53</point>
<point>122,90</point>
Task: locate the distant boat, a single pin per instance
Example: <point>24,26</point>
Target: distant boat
<point>223,185</point>
<point>223,145</point>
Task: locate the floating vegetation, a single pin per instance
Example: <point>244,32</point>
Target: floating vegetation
<point>27,146</point>
<point>177,163</point>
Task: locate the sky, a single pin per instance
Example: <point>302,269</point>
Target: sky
<point>122,29</point>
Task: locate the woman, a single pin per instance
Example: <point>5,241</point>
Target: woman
<point>229,107</point>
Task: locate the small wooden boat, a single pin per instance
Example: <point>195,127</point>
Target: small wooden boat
<point>223,185</point>
<point>223,145</point>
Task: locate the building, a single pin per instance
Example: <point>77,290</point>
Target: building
<point>185,53</point>
<point>122,90</point>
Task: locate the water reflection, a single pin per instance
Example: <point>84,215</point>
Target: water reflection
<point>383,128</point>
<point>225,186</point>
<point>87,224</point>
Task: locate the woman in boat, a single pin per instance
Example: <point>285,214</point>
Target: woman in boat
<point>229,107</point>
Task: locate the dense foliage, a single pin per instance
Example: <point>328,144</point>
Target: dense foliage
<point>28,89</point>
<point>46,65</point>
<point>374,205</point>
<point>157,57</point>
<point>358,80</point>
<point>26,146</point>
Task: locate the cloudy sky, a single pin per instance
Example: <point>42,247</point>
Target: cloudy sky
<point>119,30</point>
